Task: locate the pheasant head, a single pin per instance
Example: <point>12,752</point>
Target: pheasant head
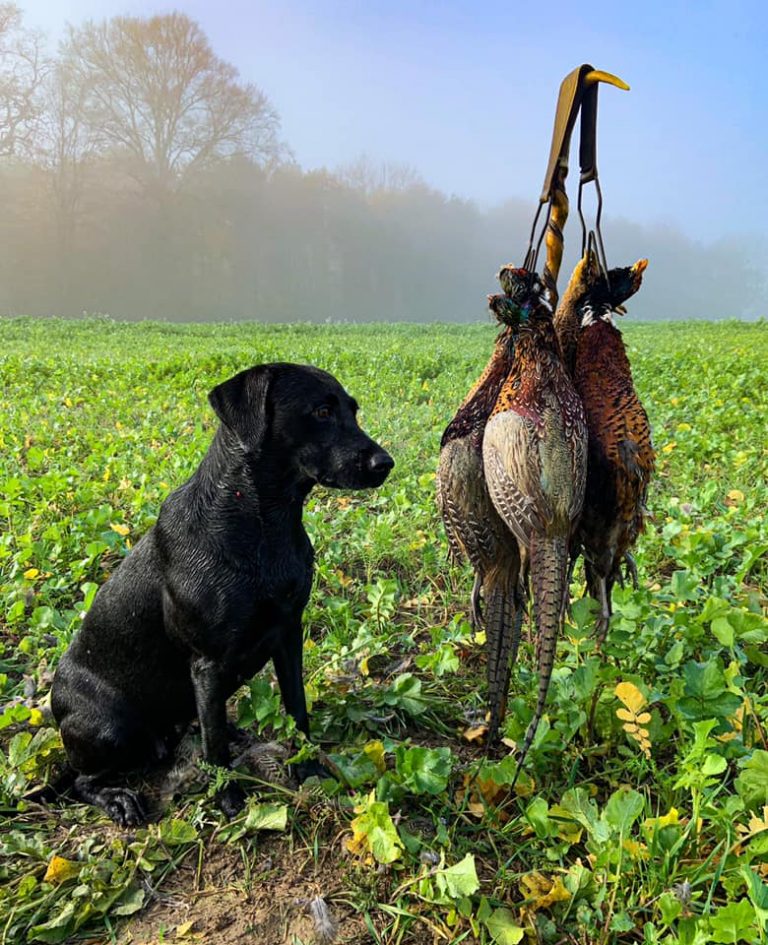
<point>608,295</point>
<point>524,296</point>
<point>507,311</point>
<point>624,282</point>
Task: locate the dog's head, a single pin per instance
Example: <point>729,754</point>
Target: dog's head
<point>302,417</point>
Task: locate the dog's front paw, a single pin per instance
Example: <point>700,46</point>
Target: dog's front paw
<point>309,769</point>
<point>230,800</point>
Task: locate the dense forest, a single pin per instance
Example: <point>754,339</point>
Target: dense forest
<point>141,178</point>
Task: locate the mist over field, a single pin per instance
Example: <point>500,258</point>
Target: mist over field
<point>142,177</point>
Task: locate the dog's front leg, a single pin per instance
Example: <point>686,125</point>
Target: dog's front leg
<point>288,659</point>
<point>212,712</point>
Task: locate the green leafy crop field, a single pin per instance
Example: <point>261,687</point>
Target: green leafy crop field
<point>642,814</point>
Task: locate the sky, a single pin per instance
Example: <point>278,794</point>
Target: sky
<point>465,92</point>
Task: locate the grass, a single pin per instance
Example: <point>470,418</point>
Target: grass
<point>611,835</point>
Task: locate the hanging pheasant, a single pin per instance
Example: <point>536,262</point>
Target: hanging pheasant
<point>474,528</point>
<point>583,277</point>
<point>534,452</point>
<point>620,452</point>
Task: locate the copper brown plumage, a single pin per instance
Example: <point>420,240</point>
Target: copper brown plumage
<point>534,452</point>
<point>474,528</point>
<point>566,319</point>
<point>620,451</point>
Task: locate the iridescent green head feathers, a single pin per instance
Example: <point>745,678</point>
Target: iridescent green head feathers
<point>523,293</point>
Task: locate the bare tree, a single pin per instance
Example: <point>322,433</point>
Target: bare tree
<point>22,69</point>
<point>64,142</point>
<point>370,177</point>
<point>158,94</point>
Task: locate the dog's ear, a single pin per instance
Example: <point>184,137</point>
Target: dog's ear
<point>241,403</point>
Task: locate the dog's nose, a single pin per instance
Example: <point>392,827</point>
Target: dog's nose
<point>380,462</point>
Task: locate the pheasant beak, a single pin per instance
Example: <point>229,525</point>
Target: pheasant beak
<point>620,309</point>
<point>637,273</point>
<point>597,75</point>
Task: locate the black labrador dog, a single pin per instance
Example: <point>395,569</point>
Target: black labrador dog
<point>214,590</point>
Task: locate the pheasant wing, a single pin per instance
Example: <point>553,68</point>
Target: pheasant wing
<point>464,505</point>
<point>512,474</point>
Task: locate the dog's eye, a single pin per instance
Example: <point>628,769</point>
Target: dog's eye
<point>323,413</point>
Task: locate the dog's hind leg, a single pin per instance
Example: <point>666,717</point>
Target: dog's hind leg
<point>121,804</point>
<point>99,756</point>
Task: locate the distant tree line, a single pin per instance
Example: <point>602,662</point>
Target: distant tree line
<point>140,177</point>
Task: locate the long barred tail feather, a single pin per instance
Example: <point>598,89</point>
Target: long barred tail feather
<point>549,580</point>
<point>476,618</point>
<point>503,623</point>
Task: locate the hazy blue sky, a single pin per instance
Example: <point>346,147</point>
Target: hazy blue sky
<point>465,92</point>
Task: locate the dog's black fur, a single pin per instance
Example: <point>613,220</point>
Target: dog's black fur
<point>214,590</point>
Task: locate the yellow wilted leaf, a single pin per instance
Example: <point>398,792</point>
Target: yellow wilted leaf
<point>107,474</point>
<point>542,891</point>
<point>638,851</point>
<point>475,732</point>
<point>60,870</point>
<point>630,695</point>
<point>736,495</point>
<point>480,793</point>
<point>184,929</point>
<point>479,637</point>
<point>120,529</point>
<point>35,717</point>
<point>759,824</point>
<point>632,716</point>
<point>668,447</point>
<point>666,820</point>
<point>364,671</point>
<point>375,751</point>
<point>683,427</point>
<point>31,573</point>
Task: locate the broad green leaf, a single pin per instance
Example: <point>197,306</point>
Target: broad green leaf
<point>423,770</point>
<point>752,783</point>
<point>621,922</point>
<point>267,817</point>
<point>503,928</point>
<point>734,923</point>
<point>623,808</point>
<point>581,807</point>
<point>176,832</point>
<point>56,929</point>
<point>373,831</point>
<point>130,902</point>
<point>537,814</point>
<point>460,879</point>
<point>405,693</point>
<point>723,631</point>
<point>757,891</point>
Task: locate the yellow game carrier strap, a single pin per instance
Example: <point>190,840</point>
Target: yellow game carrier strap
<point>578,92</point>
